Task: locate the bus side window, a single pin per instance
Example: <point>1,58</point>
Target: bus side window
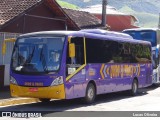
<point>79,50</point>
<point>78,60</point>
<point>100,51</point>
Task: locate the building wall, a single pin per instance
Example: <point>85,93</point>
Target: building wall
<point>26,23</point>
<point>118,22</point>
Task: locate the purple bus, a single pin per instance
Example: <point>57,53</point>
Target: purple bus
<point>78,64</point>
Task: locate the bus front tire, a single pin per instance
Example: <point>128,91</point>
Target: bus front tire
<point>134,90</point>
<point>90,94</point>
<point>44,100</point>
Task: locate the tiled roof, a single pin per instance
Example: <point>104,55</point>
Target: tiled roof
<point>83,19</point>
<point>12,8</point>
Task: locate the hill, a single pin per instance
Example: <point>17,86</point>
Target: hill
<point>146,19</point>
<point>147,11</point>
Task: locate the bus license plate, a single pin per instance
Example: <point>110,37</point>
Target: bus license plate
<point>33,89</point>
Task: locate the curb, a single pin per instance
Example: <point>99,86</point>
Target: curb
<point>15,101</point>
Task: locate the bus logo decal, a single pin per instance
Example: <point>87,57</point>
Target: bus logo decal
<point>114,71</point>
<point>101,71</point>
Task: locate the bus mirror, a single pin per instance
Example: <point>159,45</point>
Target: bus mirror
<point>3,48</point>
<point>71,50</point>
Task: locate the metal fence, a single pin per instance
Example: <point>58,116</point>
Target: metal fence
<point>9,47</point>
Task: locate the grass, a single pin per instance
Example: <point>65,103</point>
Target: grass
<point>67,5</point>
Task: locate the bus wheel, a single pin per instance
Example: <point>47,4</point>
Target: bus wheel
<point>90,93</point>
<point>44,100</point>
<point>134,89</point>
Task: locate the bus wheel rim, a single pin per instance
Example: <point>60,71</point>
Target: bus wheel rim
<point>90,93</point>
<point>134,88</point>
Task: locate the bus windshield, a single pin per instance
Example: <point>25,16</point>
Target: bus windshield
<point>144,35</point>
<point>37,54</point>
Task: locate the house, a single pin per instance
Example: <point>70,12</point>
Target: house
<point>24,16</point>
<point>117,21</point>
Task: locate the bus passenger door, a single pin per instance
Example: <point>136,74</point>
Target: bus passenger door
<point>75,70</point>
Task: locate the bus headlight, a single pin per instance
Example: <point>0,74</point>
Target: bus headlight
<point>13,81</point>
<point>57,81</point>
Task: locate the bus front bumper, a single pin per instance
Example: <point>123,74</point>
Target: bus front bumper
<point>52,92</point>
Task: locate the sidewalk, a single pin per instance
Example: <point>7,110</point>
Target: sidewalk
<point>6,99</point>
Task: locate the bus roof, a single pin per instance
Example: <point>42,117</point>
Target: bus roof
<point>140,29</point>
<point>94,31</point>
<point>115,36</point>
<point>47,33</point>
<point>110,33</point>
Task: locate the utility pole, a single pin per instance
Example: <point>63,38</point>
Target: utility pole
<point>104,4</point>
<point>159,22</point>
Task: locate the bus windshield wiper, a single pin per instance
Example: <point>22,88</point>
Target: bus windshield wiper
<point>29,59</point>
<point>42,58</point>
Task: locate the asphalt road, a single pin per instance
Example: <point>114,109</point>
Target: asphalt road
<point>148,99</point>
